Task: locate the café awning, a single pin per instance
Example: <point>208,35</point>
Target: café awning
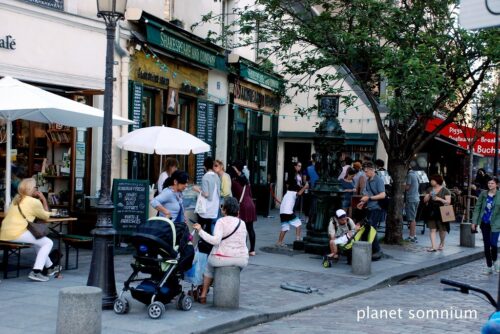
<point>484,146</point>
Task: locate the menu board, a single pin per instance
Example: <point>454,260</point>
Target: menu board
<point>131,201</point>
<point>135,104</point>
<point>205,129</point>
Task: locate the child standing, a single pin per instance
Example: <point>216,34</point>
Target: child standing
<point>287,215</point>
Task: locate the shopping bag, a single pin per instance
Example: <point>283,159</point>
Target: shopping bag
<point>447,213</point>
<point>201,205</point>
<point>195,274</point>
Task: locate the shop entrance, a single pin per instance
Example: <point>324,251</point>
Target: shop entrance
<point>295,152</point>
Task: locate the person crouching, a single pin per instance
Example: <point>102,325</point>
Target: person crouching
<point>341,229</point>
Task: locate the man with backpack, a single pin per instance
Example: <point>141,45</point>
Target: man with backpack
<point>340,230</point>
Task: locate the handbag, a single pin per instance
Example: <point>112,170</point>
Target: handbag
<point>201,205</point>
<point>447,213</point>
<point>37,227</point>
<point>243,193</point>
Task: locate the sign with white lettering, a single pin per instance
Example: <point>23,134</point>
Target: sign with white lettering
<point>131,201</point>
<point>485,145</point>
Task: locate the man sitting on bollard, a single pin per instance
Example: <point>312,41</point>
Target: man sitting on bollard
<point>364,232</point>
<point>341,229</point>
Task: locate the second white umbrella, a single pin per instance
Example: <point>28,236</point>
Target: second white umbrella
<point>162,140</point>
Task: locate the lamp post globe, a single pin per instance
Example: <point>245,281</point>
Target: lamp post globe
<point>102,271</point>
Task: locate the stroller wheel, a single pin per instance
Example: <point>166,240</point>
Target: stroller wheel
<point>326,262</point>
<point>155,310</point>
<point>121,306</point>
<point>184,302</point>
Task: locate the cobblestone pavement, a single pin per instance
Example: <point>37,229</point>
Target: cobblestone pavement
<point>410,300</point>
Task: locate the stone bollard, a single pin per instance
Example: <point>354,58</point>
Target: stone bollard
<point>227,287</point>
<point>79,310</point>
<point>467,239</point>
<point>361,258</point>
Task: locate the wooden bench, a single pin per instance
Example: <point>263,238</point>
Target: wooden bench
<point>76,242</point>
<point>12,249</point>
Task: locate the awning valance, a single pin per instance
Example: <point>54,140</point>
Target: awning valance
<point>484,146</point>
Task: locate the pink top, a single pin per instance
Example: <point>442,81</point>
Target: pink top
<point>235,245</point>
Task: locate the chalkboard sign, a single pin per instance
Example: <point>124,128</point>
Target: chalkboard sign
<point>205,126</point>
<point>131,201</point>
<point>135,104</point>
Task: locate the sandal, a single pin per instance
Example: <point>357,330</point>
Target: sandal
<point>252,254</point>
<point>431,250</point>
<point>202,300</point>
<point>441,247</point>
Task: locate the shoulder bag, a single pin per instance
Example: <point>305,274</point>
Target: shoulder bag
<point>242,194</point>
<point>235,229</point>
<point>37,227</point>
<point>201,205</point>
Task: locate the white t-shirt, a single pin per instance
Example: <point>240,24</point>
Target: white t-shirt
<point>161,179</point>
<point>288,202</point>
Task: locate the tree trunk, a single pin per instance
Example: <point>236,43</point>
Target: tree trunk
<point>394,221</point>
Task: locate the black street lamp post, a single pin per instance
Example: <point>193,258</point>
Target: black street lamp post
<point>102,270</point>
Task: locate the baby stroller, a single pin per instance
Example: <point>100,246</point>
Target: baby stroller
<point>164,252</point>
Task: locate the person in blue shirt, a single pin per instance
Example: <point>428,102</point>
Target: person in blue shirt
<point>412,199</point>
<point>169,201</point>
<point>373,192</point>
<point>311,171</point>
<point>487,216</point>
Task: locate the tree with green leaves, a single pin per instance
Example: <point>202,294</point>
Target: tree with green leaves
<point>410,59</point>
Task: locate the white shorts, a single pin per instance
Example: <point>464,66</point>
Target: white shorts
<point>294,222</point>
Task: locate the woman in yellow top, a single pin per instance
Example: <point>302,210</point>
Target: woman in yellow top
<point>225,179</point>
<point>14,227</point>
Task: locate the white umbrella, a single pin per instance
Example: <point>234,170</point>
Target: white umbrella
<point>162,140</point>
<point>19,100</point>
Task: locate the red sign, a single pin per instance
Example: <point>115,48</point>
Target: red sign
<point>485,145</point>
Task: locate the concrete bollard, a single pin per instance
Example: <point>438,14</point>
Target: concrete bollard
<point>79,310</point>
<point>227,287</point>
<point>467,239</point>
<point>361,258</point>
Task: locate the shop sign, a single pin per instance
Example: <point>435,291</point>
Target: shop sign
<point>256,98</point>
<point>152,77</point>
<point>261,78</point>
<point>136,91</point>
<point>176,44</point>
<point>485,145</point>
<point>8,43</point>
<point>54,4</point>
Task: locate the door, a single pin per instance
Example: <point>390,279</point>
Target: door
<point>142,164</point>
<point>295,152</point>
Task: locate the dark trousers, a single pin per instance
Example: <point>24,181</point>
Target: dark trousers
<point>375,217</point>
<point>251,235</point>
<point>490,240</point>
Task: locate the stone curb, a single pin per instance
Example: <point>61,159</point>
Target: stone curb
<point>392,277</point>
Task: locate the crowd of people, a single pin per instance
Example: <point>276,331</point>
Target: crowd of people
<point>229,212</point>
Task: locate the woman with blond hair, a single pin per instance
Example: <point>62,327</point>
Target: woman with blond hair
<point>225,179</point>
<point>29,204</point>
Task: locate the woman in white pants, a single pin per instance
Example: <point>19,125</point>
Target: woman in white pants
<point>33,204</point>
<point>229,241</point>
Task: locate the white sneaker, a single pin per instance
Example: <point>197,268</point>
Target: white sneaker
<point>53,271</point>
<point>38,277</point>
<point>497,266</point>
<point>488,271</point>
